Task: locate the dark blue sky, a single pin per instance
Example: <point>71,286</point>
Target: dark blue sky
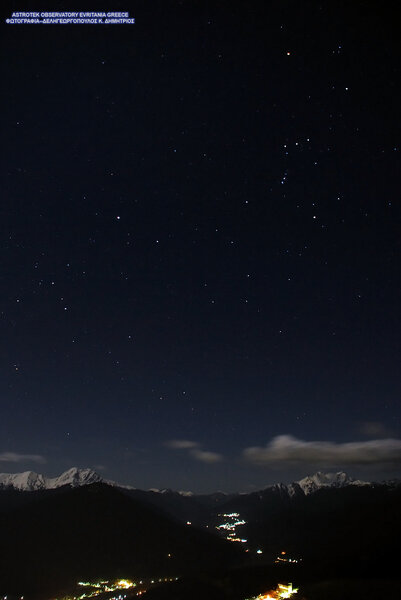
<point>200,243</point>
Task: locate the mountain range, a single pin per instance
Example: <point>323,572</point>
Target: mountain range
<point>78,525</point>
<point>29,481</point>
<point>74,477</point>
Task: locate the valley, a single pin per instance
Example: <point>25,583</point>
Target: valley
<point>122,543</point>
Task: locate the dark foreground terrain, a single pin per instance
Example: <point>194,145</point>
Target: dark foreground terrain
<point>346,542</point>
<point>54,538</point>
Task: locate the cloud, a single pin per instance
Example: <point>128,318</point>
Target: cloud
<point>374,429</point>
<point>182,444</point>
<point>206,456</point>
<point>288,449</point>
<point>195,450</point>
<point>13,457</point>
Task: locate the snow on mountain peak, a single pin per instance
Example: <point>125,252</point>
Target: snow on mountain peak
<point>75,477</point>
<point>186,493</point>
<point>319,480</point>
<point>30,481</point>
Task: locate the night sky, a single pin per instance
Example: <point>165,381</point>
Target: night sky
<point>200,243</point>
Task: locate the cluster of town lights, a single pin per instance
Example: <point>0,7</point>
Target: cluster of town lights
<point>231,521</point>
<point>286,559</point>
<point>120,584</point>
<point>280,593</point>
<point>95,588</point>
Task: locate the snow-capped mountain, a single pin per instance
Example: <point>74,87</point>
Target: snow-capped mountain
<point>30,481</point>
<point>169,491</point>
<point>313,483</point>
<point>74,477</point>
<point>319,480</point>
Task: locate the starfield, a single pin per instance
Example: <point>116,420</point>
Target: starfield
<point>200,300</point>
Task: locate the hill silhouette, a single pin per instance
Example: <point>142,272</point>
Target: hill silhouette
<point>51,539</point>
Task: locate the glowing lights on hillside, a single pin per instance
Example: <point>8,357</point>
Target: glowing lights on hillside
<point>229,528</point>
<point>125,584</point>
<point>283,558</point>
<point>230,522</point>
<point>97,588</point>
<point>280,593</point>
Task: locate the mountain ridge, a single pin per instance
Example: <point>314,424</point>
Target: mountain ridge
<point>75,477</point>
<point>30,481</point>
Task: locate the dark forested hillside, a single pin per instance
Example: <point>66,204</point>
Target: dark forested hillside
<point>53,538</point>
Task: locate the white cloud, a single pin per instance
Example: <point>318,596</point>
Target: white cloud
<point>182,444</point>
<point>286,448</point>
<point>195,450</point>
<point>14,457</point>
<point>206,456</point>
